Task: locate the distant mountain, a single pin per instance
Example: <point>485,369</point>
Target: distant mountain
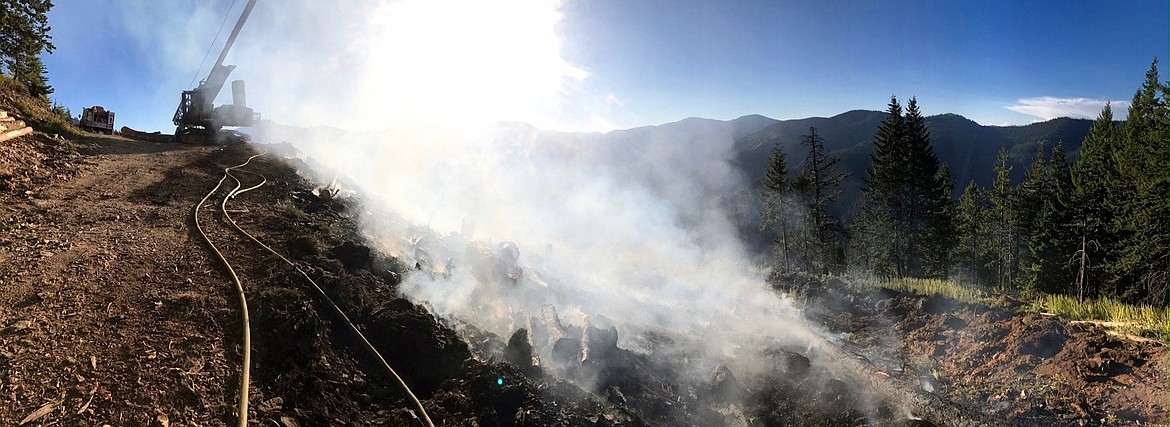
<point>967,148</point>
<point>712,154</point>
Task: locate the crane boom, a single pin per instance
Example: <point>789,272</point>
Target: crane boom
<point>219,73</point>
<point>196,112</point>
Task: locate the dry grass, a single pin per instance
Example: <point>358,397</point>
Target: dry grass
<point>38,113</point>
<point>924,287</point>
<point>1141,319</point>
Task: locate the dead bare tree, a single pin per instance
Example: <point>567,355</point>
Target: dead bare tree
<point>1155,284</point>
<point>1081,260</point>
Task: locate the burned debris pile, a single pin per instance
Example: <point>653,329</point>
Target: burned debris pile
<point>547,371</point>
<point>551,365</point>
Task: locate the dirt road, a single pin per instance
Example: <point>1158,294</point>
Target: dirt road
<point>113,312</point>
<point>107,302</point>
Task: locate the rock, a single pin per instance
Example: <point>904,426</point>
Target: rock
<point>161,421</point>
<point>271,404</point>
<point>796,363</point>
<point>725,387</point>
<point>600,337</point>
<point>552,322</point>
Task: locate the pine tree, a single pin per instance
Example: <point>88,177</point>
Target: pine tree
<point>971,235</point>
<point>1053,242</point>
<point>867,233</point>
<point>940,238</point>
<point>1141,223</point>
<point>1031,196</point>
<point>882,239</point>
<point>906,199</point>
<point>1003,225</point>
<point>822,186</point>
<point>774,214</point>
<point>24,34</point>
<point>801,234</point>
<point>1093,177</point>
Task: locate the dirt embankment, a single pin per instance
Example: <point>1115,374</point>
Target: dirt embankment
<point>1021,367</point>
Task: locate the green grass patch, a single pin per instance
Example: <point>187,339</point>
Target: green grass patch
<point>1142,320</point>
<point>924,287</point>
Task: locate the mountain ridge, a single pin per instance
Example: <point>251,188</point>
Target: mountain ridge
<point>965,146</point>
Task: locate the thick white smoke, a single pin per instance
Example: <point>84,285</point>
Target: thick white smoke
<point>631,225</point>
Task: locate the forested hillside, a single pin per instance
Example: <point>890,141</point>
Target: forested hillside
<point>1041,210</point>
<point>968,148</point>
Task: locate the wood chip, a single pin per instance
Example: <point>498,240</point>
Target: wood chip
<point>44,410</point>
<point>88,401</point>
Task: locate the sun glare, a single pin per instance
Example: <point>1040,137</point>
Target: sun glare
<point>464,62</point>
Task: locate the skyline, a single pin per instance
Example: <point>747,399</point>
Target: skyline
<point>604,65</point>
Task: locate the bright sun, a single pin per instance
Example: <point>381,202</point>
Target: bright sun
<point>465,62</point>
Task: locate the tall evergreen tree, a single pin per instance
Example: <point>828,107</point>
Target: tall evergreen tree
<point>1031,196</point>
<point>24,34</point>
<point>774,199</point>
<point>906,196</point>
<point>1053,242</point>
<point>1093,177</point>
<point>1003,225</point>
<point>940,239</point>
<point>971,235</point>
<point>822,187</point>
<point>883,239</point>
<point>1141,203</point>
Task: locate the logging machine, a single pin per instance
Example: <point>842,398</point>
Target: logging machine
<point>196,119</point>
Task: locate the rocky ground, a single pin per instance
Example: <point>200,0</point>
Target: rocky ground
<point>114,312</point>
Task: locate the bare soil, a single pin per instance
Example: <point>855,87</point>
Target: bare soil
<point>1022,367</point>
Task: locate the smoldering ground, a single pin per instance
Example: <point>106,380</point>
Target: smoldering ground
<point>626,232</point>
<point>587,251</point>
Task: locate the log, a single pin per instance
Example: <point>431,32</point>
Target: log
<point>15,133</point>
<point>144,136</point>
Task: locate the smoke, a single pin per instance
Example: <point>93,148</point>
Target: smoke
<point>635,230</point>
<point>629,225</point>
<point>364,65</point>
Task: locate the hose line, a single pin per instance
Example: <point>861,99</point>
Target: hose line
<point>245,374</point>
<point>320,292</point>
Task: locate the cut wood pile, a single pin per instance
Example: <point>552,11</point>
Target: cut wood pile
<point>10,127</point>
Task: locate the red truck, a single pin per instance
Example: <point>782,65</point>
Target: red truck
<point>97,119</point>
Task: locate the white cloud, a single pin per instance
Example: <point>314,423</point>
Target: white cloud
<point>1050,107</point>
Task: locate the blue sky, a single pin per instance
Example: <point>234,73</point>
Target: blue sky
<point>605,64</point>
